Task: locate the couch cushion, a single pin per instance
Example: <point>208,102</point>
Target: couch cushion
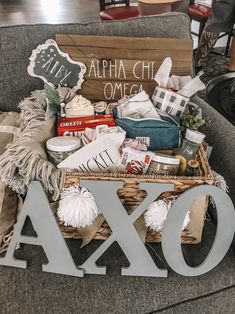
<point>17,43</point>
<point>39,292</point>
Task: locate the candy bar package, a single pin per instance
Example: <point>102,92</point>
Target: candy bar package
<point>74,126</point>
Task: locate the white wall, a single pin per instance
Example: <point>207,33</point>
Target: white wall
<point>220,42</point>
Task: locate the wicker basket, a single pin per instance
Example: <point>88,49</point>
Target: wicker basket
<point>131,197</point>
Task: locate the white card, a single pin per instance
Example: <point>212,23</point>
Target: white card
<point>100,155</point>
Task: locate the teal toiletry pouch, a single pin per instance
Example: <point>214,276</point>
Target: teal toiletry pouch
<point>157,134</point>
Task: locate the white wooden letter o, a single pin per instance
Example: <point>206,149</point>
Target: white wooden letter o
<point>171,236</point>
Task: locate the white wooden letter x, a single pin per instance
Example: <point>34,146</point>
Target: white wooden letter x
<point>123,230</point>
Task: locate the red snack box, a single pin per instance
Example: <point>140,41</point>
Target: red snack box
<point>75,126</point>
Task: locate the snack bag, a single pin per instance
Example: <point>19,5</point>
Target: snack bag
<point>134,161</point>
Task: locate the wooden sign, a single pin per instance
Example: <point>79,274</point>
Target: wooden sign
<point>52,65</point>
<point>118,66</point>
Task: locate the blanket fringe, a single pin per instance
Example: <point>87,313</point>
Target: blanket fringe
<point>6,241</point>
<point>20,164</point>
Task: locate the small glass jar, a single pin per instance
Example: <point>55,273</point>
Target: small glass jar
<point>164,165</point>
<point>191,143</point>
<point>189,148</point>
<point>61,147</point>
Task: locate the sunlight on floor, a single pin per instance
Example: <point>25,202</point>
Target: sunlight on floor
<point>51,9</point>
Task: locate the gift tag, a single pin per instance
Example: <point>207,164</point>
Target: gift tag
<point>52,65</point>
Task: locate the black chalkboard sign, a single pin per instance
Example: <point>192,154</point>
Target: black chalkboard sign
<point>52,65</point>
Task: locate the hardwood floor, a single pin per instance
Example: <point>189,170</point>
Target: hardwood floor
<point>13,12</point>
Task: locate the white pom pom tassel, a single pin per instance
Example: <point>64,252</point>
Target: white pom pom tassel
<point>156,215</point>
<point>186,221</point>
<point>77,207</point>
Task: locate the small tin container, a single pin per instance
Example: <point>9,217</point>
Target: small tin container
<point>192,168</point>
<point>61,147</point>
<point>164,165</point>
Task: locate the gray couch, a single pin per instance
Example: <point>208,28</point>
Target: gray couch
<point>31,290</point>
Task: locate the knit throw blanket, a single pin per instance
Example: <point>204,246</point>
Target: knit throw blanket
<point>25,159</point>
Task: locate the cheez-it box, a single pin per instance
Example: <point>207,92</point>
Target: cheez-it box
<point>75,126</point>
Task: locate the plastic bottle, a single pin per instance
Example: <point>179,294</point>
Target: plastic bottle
<point>189,148</point>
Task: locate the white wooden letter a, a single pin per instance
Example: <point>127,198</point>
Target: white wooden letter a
<point>36,206</point>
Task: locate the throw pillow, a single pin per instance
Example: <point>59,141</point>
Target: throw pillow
<point>9,128</point>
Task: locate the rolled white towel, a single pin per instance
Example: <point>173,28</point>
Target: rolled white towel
<point>79,106</point>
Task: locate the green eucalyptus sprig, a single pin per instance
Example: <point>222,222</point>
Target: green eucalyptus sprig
<point>52,94</point>
<point>192,119</point>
